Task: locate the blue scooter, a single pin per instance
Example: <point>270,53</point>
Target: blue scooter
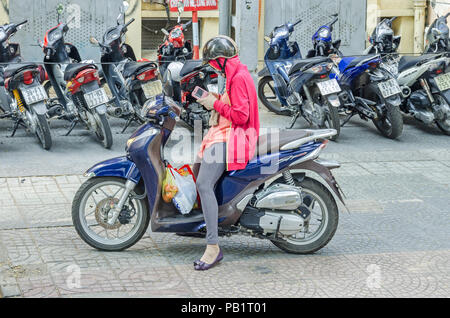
<point>369,90</point>
<point>293,86</point>
<point>271,199</point>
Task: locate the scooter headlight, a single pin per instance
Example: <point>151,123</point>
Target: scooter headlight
<point>324,33</point>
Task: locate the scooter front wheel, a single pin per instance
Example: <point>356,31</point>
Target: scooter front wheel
<point>268,96</point>
<point>92,206</point>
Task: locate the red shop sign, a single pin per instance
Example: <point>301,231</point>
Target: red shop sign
<point>195,5</point>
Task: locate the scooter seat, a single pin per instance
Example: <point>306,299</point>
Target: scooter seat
<point>307,63</point>
<point>13,69</point>
<point>272,143</point>
<point>73,69</point>
<point>358,59</point>
<point>132,68</point>
<point>411,61</point>
<point>190,66</point>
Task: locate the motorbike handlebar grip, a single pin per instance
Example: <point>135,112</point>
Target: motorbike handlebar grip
<point>298,22</point>
<point>129,22</point>
<point>185,26</point>
<point>24,22</point>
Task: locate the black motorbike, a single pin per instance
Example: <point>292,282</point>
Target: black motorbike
<point>437,37</point>
<point>77,85</point>
<point>181,80</point>
<point>22,95</point>
<point>132,83</point>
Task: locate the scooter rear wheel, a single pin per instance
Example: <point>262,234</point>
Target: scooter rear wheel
<point>90,209</point>
<point>324,212</point>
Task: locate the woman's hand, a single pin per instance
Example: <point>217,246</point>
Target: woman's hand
<point>208,101</point>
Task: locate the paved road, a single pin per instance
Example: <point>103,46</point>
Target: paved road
<point>393,243</point>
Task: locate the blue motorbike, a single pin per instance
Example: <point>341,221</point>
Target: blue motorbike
<point>271,199</point>
<point>369,90</point>
<point>292,86</point>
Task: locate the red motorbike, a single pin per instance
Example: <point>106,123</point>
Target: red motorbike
<point>175,47</point>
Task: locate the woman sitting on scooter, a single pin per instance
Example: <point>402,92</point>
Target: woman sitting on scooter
<point>232,140</point>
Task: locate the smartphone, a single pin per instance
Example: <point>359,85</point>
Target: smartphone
<point>199,93</point>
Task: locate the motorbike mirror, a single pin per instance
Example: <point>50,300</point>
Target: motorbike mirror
<point>165,32</point>
<point>267,39</point>
<point>124,7</point>
<point>60,9</point>
<point>180,6</point>
<point>93,40</point>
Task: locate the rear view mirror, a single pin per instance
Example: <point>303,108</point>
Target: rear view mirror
<point>60,9</point>
<point>125,6</point>
<point>180,6</point>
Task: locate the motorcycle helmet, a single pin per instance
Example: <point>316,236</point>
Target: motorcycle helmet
<point>220,47</point>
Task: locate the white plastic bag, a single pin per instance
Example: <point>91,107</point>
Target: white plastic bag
<point>186,196</point>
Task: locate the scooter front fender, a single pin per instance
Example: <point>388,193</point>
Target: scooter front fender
<point>120,167</point>
<point>264,72</point>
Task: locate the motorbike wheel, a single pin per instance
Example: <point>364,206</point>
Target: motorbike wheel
<point>390,124</point>
<point>443,125</point>
<point>267,96</point>
<point>316,198</point>
<point>43,132</point>
<point>332,120</point>
<point>103,131</point>
<point>90,209</point>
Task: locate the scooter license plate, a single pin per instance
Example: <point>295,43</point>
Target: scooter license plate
<point>443,82</point>
<point>34,95</point>
<point>152,89</point>
<point>389,88</point>
<point>96,98</point>
<point>329,87</point>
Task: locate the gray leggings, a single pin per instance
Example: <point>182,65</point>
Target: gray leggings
<point>208,172</point>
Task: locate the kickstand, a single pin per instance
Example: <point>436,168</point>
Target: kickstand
<point>72,126</point>
<point>127,124</point>
<point>294,120</point>
<point>347,119</point>
<point>16,126</point>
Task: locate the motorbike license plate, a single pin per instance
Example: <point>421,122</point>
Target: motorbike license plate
<point>389,88</point>
<point>34,95</point>
<point>152,89</point>
<point>443,82</point>
<point>329,87</point>
<point>96,98</point>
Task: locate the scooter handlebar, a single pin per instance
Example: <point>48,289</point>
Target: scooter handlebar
<point>188,24</point>
<point>297,23</point>
<point>22,23</point>
<point>129,22</point>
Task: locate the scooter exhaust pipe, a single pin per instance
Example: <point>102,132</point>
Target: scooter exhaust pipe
<point>55,111</point>
<point>114,111</point>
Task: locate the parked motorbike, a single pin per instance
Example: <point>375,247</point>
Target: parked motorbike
<point>175,47</point>
<point>424,82</point>
<point>113,209</point>
<point>131,82</point>
<point>437,37</point>
<point>179,83</point>
<point>369,90</point>
<point>302,86</point>
<point>24,99</point>
<point>77,85</point>
<point>383,41</point>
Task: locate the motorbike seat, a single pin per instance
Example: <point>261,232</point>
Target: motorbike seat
<point>411,61</point>
<point>73,69</point>
<point>358,59</point>
<point>13,69</point>
<point>307,63</point>
<point>272,143</point>
<point>132,68</point>
<point>189,66</point>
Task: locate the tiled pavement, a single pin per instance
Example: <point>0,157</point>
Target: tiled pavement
<point>393,243</point>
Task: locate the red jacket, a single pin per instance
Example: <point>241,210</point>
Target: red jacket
<point>243,114</point>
